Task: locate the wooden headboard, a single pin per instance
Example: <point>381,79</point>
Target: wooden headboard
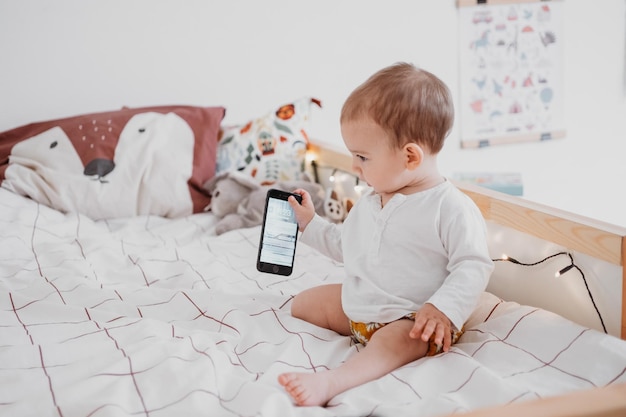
<point>578,233</point>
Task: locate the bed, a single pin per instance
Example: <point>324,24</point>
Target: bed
<point>109,308</point>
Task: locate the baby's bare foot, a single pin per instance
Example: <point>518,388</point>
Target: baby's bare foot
<point>307,389</point>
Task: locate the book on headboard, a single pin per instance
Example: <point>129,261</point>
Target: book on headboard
<point>505,182</point>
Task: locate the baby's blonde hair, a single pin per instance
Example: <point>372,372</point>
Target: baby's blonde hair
<point>410,104</point>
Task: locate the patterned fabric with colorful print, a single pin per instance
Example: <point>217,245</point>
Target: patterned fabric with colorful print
<point>270,148</point>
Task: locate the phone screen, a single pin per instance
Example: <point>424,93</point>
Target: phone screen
<point>277,248</point>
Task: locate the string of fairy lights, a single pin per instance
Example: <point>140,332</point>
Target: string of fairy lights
<point>332,178</point>
<point>572,265</point>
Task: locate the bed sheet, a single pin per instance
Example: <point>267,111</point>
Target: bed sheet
<point>158,317</point>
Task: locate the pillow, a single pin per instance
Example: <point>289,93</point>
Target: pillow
<point>128,162</point>
<point>270,148</point>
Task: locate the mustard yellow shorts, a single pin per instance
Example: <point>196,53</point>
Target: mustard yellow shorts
<point>362,333</point>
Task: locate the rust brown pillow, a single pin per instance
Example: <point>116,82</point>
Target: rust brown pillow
<point>128,162</point>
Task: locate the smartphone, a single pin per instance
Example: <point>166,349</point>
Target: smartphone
<point>279,233</point>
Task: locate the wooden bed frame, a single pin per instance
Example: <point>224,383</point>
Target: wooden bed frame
<point>581,234</point>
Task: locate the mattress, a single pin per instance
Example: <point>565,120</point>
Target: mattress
<point>160,317</point>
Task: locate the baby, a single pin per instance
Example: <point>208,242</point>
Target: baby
<point>414,247</point>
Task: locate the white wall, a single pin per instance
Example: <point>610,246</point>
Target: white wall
<point>73,56</point>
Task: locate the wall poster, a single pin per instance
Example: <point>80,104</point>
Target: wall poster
<point>511,75</point>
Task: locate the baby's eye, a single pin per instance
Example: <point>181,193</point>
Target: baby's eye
<point>361,157</point>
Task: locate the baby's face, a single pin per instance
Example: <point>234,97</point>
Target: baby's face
<point>374,159</point>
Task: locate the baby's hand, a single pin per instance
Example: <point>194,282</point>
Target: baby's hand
<point>304,212</point>
<point>430,321</point>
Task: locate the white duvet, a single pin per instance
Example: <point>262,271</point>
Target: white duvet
<point>149,316</point>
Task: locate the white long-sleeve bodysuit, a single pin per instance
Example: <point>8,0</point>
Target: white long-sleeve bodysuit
<point>425,247</point>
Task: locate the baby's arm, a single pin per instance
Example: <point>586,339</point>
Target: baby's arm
<point>304,212</point>
<point>320,233</point>
<point>429,321</point>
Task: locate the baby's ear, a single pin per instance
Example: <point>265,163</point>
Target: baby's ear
<point>414,155</point>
